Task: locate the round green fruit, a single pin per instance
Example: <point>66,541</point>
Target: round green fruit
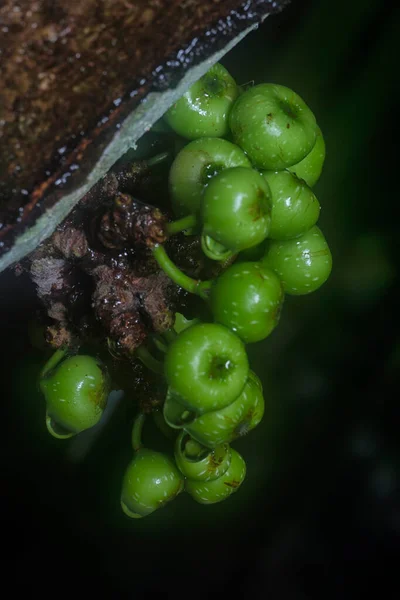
<point>309,169</point>
<point>302,264</point>
<point>236,208</point>
<point>273,125</point>
<point>295,208</point>
<point>211,492</point>
<point>204,109</point>
<point>247,298</point>
<point>76,392</point>
<point>193,168</point>
<point>197,462</point>
<point>234,421</point>
<point>206,367</point>
<point>150,481</point>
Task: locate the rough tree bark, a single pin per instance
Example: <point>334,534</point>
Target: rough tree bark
<point>72,72</point>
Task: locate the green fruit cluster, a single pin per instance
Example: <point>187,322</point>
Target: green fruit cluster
<point>255,187</point>
<point>152,479</point>
<point>243,183</point>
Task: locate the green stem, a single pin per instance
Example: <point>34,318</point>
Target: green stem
<point>149,361</point>
<point>159,342</point>
<point>157,159</point>
<point>169,335</point>
<point>181,224</point>
<point>194,286</point>
<point>53,361</point>
<point>137,431</point>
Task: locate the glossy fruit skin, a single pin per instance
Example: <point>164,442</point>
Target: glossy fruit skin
<point>256,380</point>
<point>302,264</point>
<point>309,169</point>
<point>247,298</point>
<point>236,208</point>
<point>233,421</point>
<point>204,109</point>
<point>207,367</point>
<point>295,208</point>
<point>150,481</point>
<point>193,168</point>
<point>211,492</point>
<point>204,464</point>
<point>273,125</point>
<point>76,392</point>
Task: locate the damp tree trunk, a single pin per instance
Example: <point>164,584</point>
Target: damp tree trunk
<point>75,76</point>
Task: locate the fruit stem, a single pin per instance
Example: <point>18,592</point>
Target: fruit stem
<point>194,286</point>
<point>53,361</point>
<point>159,342</point>
<point>149,361</point>
<point>137,431</point>
<point>169,335</point>
<point>157,159</point>
<point>181,224</point>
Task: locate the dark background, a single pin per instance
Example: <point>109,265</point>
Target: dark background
<point>319,514</point>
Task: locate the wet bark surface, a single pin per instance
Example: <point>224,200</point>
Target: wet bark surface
<point>72,71</point>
